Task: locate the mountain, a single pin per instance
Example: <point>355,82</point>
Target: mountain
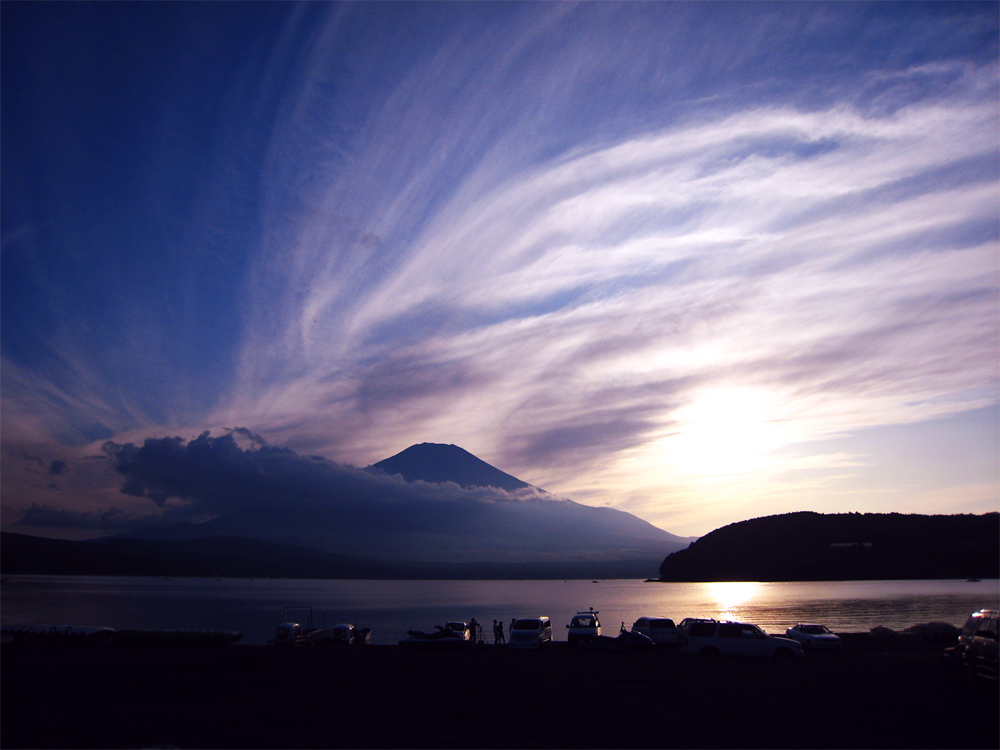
<point>432,462</point>
<point>432,507</point>
<point>846,546</point>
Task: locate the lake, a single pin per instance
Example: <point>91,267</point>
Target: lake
<point>255,606</point>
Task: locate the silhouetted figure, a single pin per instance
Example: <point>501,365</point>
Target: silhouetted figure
<point>500,632</point>
<point>474,630</point>
<point>496,638</point>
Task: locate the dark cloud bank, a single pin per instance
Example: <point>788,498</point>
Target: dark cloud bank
<point>275,494</point>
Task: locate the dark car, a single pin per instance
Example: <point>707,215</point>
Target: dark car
<point>980,645</point>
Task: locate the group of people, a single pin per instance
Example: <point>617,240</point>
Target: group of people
<point>476,632</point>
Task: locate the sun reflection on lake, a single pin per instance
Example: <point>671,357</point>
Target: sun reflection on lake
<point>729,595</point>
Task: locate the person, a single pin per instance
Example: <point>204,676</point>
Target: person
<point>500,632</point>
<point>473,630</point>
<point>496,637</point>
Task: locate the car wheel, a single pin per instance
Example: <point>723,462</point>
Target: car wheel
<point>709,653</point>
<point>783,656</point>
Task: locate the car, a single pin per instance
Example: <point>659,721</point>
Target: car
<point>687,622</point>
<point>813,636</point>
<point>661,630</point>
<point>978,645</point>
<point>713,639</point>
<point>583,626</point>
<point>530,633</point>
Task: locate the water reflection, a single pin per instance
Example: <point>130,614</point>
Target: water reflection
<point>392,607</point>
<point>729,595</point>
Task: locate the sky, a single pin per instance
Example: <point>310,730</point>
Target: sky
<point>698,262</point>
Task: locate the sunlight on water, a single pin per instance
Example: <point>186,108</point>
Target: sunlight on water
<point>730,594</point>
<point>390,608</point>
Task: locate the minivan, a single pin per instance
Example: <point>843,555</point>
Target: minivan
<point>530,632</point>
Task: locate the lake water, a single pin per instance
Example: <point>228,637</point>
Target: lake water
<point>390,608</point>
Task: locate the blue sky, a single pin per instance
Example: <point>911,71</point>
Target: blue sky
<point>701,262</point>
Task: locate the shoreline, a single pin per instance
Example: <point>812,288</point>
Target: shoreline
<point>877,693</point>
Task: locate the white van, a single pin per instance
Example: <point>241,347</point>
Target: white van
<point>583,627</point>
<point>530,632</point>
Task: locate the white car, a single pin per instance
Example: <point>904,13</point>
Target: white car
<point>530,632</point>
<point>661,630</point>
<point>713,639</point>
<point>583,626</point>
<point>813,636</point>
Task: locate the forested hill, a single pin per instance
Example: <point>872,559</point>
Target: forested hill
<point>845,546</point>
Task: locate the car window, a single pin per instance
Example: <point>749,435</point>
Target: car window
<point>661,623</point>
<point>527,625</point>
<point>730,631</point>
<point>702,630</point>
<point>970,625</point>
<point>987,628</point>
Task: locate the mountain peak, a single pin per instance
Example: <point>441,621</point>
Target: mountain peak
<point>435,462</point>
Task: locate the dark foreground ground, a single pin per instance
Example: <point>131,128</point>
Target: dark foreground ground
<point>875,695</point>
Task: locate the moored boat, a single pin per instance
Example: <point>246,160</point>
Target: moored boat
<point>449,635</point>
<point>293,634</point>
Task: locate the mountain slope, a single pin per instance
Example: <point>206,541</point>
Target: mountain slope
<point>433,462</point>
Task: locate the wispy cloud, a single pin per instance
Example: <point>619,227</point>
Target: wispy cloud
<point>844,264</point>
<point>621,251</point>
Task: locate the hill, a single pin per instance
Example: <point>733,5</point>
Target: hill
<point>810,546</point>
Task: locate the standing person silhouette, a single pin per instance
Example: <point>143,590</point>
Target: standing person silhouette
<point>496,638</point>
<point>500,632</point>
<point>474,630</point>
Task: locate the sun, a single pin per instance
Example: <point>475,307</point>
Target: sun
<point>726,431</point>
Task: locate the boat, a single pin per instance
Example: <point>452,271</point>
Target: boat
<point>348,635</point>
<point>293,634</point>
<point>449,635</point>
<point>627,640</point>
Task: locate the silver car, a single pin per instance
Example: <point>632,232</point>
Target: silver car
<point>813,636</point>
<point>713,639</point>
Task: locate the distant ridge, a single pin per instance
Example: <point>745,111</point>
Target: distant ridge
<point>233,557</point>
<point>810,546</point>
<point>438,463</point>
